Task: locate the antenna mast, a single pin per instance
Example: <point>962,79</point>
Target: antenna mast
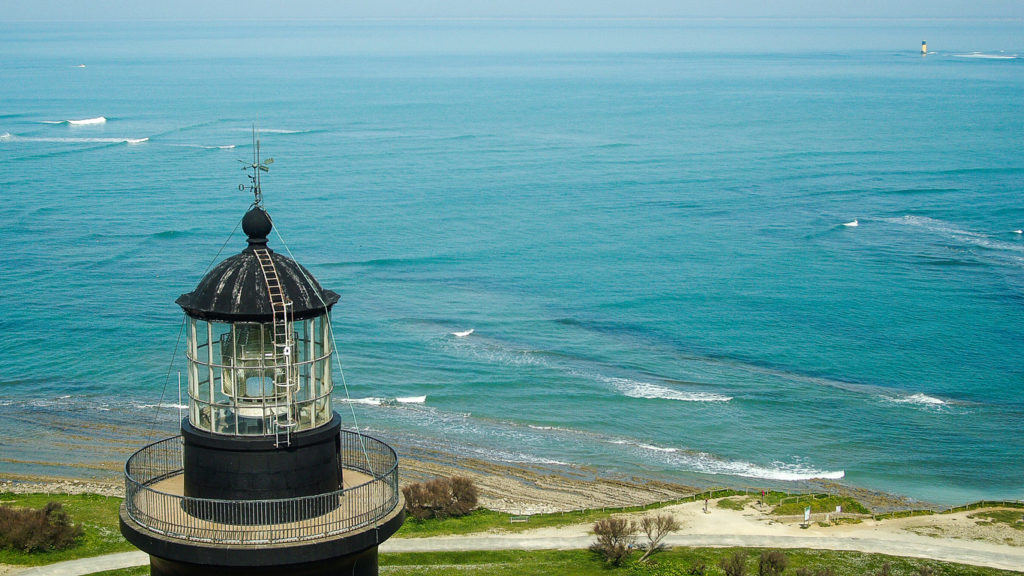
<point>256,167</point>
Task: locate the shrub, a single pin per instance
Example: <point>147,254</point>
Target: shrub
<point>440,498</point>
<point>31,530</point>
<point>463,496</point>
<point>735,564</point>
<point>615,537</point>
<point>771,563</point>
<point>698,569</point>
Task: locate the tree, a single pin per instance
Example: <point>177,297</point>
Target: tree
<point>771,563</point>
<point>615,538</point>
<point>656,528</point>
<point>735,564</point>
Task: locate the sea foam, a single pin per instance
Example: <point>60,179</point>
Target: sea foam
<point>984,56</point>
<point>919,399</point>
<point>375,401</point>
<point>75,140</point>
<point>636,389</point>
<point>706,463</point>
<point>88,121</point>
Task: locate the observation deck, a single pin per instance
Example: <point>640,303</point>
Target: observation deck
<point>368,505</point>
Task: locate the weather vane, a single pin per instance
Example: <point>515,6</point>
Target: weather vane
<point>256,167</point>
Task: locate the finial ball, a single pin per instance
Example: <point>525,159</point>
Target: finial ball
<point>257,225</point>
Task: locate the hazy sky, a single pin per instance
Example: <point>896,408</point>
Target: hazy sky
<point>19,10</point>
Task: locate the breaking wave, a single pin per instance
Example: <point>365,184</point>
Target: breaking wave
<point>162,406</point>
<point>82,122</point>
<point>375,401</point>
<point>205,147</point>
<point>637,389</point>
<point>87,121</point>
<point>984,56</point>
<point>705,463</point>
<point>7,136</point>
<point>917,399</point>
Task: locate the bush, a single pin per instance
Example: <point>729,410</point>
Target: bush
<point>734,564</point>
<point>698,569</point>
<point>771,563</point>
<point>615,538</point>
<point>440,498</point>
<point>31,530</point>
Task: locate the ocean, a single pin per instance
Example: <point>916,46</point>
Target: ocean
<point>647,225</point>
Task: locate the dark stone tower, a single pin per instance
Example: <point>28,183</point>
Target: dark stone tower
<point>262,479</point>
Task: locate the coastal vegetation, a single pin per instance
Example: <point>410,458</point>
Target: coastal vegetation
<point>37,530</point>
<point>96,515</point>
<point>827,503</point>
<point>485,520</point>
<point>440,498</point>
<point>1012,518</point>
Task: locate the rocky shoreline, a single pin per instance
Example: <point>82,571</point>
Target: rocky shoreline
<point>517,489</point>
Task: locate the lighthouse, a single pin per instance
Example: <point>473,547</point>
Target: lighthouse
<point>263,479</point>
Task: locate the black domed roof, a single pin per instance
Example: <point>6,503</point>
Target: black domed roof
<point>236,289</point>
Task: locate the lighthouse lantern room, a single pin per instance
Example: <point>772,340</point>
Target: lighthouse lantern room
<point>263,478</point>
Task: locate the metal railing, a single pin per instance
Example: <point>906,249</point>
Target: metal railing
<point>261,521</point>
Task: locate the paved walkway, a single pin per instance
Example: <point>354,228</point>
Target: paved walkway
<point>1007,559</point>
<point>87,565</point>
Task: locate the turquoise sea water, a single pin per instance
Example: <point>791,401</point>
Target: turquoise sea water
<point>642,222</point>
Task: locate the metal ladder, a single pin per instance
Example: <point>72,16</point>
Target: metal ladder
<point>284,380</point>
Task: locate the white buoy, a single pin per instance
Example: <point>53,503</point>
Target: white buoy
<point>851,224</point>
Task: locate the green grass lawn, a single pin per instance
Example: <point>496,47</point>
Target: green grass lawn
<point>483,520</point>
<point>136,571</point>
<point>675,562</point>
<point>97,515</point>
